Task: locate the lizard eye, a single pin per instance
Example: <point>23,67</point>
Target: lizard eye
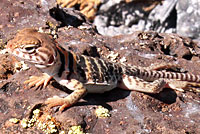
<point>29,48</point>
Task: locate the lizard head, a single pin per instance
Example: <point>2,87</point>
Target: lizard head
<point>33,47</point>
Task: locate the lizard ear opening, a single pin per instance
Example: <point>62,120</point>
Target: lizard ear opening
<point>51,59</point>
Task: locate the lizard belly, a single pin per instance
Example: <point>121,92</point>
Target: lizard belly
<point>99,87</point>
<point>92,87</point>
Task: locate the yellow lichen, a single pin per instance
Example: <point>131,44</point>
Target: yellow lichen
<point>42,121</point>
<point>62,132</point>
<point>24,123</point>
<point>36,111</point>
<point>14,120</point>
<point>102,112</point>
<point>75,130</point>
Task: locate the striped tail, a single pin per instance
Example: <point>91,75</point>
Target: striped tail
<point>149,75</point>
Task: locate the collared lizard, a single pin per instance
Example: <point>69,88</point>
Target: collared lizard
<point>84,74</point>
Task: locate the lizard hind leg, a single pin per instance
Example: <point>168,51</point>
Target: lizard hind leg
<point>137,84</point>
<point>184,85</point>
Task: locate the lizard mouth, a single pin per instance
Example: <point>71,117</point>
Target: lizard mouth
<point>49,63</point>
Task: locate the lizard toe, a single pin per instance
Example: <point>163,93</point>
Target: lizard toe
<point>57,101</point>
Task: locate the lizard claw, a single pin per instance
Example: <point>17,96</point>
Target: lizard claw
<point>57,101</point>
<point>38,80</point>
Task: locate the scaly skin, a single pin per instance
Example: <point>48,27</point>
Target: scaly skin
<point>87,7</point>
<point>83,74</point>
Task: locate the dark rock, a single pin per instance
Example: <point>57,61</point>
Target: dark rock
<point>131,112</point>
<point>169,16</point>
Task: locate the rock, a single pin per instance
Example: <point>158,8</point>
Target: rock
<point>188,18</point>
<point>131,112</point>
<point>169,16</point>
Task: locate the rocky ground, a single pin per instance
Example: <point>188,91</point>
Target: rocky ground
<point>169,112</point>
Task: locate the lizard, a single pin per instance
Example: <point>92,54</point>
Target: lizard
<point>84,74</point>
<point>87,7</point>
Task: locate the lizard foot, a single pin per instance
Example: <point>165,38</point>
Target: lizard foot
<point>57,101</point>
<point>184,85</point>
<point>38,80</point>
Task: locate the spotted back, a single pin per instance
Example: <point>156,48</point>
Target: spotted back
<point>95,70</point>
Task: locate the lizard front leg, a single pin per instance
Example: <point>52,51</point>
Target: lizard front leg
<point>137,84</point>
<point>39,80</point>
<point>78,92</point>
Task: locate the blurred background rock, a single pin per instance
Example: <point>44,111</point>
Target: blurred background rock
<point>115,17</point>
